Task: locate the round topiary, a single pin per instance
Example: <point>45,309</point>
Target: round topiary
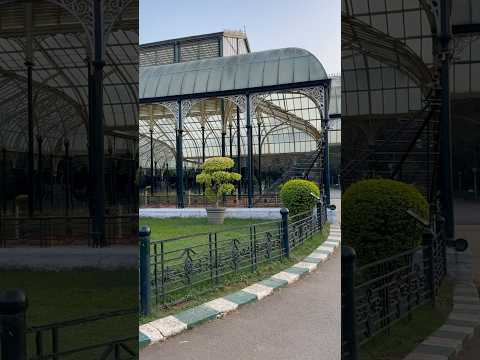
<point>374,218</point>
<point>217,177</point>
<point>296,195</point>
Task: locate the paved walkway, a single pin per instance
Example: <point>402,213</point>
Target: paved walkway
<point>300,322</point>
<point>472,351</point>
<point>467,219</point>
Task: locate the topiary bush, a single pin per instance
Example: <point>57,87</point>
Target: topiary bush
<point>374,218</point>
<point>217,178</point>
<point>296,195</point>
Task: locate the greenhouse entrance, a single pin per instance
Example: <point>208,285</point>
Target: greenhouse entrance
<point>268,111</point>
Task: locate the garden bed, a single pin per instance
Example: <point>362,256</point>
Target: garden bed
<point>243,276</point>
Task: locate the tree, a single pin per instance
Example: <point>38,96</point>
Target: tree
<point>217,178</point>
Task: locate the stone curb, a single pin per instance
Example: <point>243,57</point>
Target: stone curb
<point>462,324</point>
<point>161,329</point>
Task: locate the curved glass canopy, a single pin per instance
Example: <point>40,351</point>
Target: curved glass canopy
<point>286,121</point>
<point>58,46</point>
<point>248,71</point>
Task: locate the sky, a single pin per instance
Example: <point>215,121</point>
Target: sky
<point>313,25</point>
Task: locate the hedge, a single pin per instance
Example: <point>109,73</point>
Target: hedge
<point>374,218</point>
<point>296,195</point>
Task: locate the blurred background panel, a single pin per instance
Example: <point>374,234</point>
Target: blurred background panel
<point>68,162</point>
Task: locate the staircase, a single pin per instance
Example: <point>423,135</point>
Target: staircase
<point>405,150</point>
<point>310,167</point>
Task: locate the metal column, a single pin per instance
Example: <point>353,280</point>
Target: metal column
<point>224,133</point>
<point>326,163</point>
<point>155,174</point>
<point>203,143</point>
<point>179,167</point>
<point>249,154</point>
<point>66,176</point>
<point>231,140</point>
<point>39,175</point>
<point>446,189</point>
<point>98,161</point>
<point>260,158</point>
<point>30,172</point>
<point>91,144</point>
<point>239,152</point>
<point>4,180</point>
<point>29,65</point>
<point>151,161</point>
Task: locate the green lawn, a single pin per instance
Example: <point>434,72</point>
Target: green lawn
<point>195,230</point>
<point>177,227</point>
<point>59,296</point>
<point>166,228</point>
<point>407,334</point>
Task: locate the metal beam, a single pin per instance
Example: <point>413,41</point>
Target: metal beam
<point>259,89</point>
<point>203,143</point>
<point>249,154</point>
<point>224,134</point>
<point>231,140</point>
<point>4,180</point>
<point>98,168</point>
<point>326,164</point>
<point>29,65</point>
<point>39,174</point>
<point>260,158</point>
<point>179,167</point>
<point>66,176</point>
<point>239,152</point>
<point>446,181</point>
<point>151,161</point>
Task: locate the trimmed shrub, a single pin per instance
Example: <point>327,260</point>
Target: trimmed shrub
<point>374,218</point>
<point>217,178</point>
<point>296,195</point>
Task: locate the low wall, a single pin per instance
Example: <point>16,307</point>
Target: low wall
<point>234,213</point>
<point>69,257</point>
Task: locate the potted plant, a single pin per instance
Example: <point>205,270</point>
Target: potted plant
<point>218,181</point>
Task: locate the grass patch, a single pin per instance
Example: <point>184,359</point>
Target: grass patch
<point>232,282</point>
<point>56,296</point>
<point>407,334</point>
<point>176,227</point>
<point>195,230</point>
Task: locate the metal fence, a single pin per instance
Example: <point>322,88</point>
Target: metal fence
<point>48,231</point>
<point>85,338</point>
<point>378,295</point>
<point>199,200</point>
<point>173,270</point>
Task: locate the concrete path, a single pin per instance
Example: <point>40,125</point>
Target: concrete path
<point>300,322</point>
<point>471,352</point>
<point>467,219</point>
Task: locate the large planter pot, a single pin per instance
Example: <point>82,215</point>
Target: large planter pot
<point>215,215</point>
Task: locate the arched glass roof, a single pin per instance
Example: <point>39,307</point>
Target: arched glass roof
<point>388,56</point>
<point>60,46</point>
<point>253,70</point>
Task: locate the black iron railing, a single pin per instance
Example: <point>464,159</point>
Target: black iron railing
<point>172,270</point>
<point>378,295</point>
<point>199,200</point>
<point>83,338</point>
